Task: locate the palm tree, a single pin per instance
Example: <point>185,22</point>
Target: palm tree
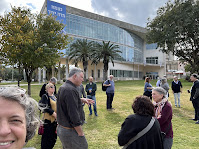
<point>107,52</point>
<point>81,51</point>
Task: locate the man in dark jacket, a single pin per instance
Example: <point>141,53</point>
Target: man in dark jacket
<point>70,116</point>
<point>177,89</point>
<point>91,88</point>
<point>195,96</point>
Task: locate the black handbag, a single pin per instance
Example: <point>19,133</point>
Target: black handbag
<point>148,93</point>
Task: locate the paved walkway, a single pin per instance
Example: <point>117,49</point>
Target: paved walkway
<point>15,85</point>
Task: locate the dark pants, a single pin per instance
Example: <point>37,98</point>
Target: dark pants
<point>70,139</point>
<point>148,94</point>
<point>195,103</point>
<point>109,100</point>
<point>49,137</point>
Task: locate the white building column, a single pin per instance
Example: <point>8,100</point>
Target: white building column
<point>44,74</point>
<point>53,71</point>
<point>24,74</point>
<point>95,73</point>
<point>39,75</point>
<point>59,73</point>
<point>67,68</point>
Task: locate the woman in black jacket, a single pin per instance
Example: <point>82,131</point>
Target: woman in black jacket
<point>48,103</point>
<point>144,111</point>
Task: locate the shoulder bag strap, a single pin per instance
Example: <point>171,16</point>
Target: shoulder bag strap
<point>141,133</point>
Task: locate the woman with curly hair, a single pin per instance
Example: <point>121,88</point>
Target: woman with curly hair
<point>18,118</point>
<point>135,123</point>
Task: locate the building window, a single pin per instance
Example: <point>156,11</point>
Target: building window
<point>125,73</point>
<point>152,60</point>
<point>98,73</point>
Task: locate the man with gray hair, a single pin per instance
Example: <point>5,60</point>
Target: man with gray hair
<point>109,92</point>
<point>176,86</point>
<point>53,80</point>
<point>70,116</point>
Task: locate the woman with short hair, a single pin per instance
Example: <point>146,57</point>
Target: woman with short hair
<point>18,118</point>
<point>163,113</point>
<point>135,123</point>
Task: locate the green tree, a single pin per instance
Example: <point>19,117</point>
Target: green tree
<point>176,29</point>
<point>107,52</point>
<point>30,40</point>
<point>81,51</point>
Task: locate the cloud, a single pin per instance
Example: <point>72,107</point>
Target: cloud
<point>3,6</point>
<point>31,5</point>
<point>132,11</point>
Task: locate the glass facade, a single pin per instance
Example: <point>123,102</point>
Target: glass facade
<point>152,46</point>
<point>130,44</point>
<point>126,74</point>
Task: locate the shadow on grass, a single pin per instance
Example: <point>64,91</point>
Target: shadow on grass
<point>182,113</point>
<point>113,117</point>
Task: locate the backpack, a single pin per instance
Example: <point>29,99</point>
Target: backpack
<point>104,87</point>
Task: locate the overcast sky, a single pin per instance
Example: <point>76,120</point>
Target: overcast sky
<point>131,11</point>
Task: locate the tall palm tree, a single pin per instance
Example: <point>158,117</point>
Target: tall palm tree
<point>107,52</point>
<point>81,51</point>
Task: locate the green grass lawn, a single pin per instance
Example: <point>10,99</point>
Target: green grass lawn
<point>101,132</point>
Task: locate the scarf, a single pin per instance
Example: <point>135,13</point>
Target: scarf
<point>159,106</point>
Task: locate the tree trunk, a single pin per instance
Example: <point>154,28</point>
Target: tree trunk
<point>85,64</point>
<point>105,71</point>
<point>29,80</point>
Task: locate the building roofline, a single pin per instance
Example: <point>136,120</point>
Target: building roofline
<point>138,30</point>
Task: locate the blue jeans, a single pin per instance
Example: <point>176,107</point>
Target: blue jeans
<point>177,98</point>
<point>109,100</point>
<point>94,105</point>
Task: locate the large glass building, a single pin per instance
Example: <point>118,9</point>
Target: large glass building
<point>137,58</point>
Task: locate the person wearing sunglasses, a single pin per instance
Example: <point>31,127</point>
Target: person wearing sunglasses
<point>48,103</point>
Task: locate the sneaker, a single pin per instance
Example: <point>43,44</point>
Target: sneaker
<point>90,114</point>
<point>197,122</point>
<point>96,115</point>
<point>193,119</point>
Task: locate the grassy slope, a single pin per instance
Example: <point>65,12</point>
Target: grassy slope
<point>101,132</point>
